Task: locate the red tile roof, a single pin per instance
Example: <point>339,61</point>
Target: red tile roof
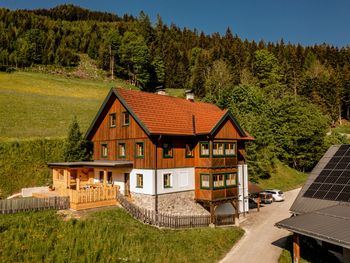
<point>162,114</point>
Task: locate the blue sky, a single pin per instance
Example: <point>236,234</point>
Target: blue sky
<point>297,21</point>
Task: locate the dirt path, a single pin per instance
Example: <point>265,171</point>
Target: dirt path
<point>262,240</point>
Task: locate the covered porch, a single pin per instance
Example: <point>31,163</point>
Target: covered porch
<point>90,184</point>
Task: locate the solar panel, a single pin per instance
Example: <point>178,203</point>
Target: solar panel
<point>344,147</point>
<point>331,195</point>
<point>333,182</point>
<point>345,159</point>
<point>330,165</point>
<point>341,166</point>
<point>309,193</point>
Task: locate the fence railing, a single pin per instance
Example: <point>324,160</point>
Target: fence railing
<point>93,195</point>
<point>10,206</point>
<point>171,221</point>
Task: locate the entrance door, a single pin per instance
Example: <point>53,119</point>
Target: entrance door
<point>127,184</point>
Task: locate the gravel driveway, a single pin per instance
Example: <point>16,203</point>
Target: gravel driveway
<point>262,240</point>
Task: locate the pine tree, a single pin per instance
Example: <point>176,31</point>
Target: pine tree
<point>76,148</point>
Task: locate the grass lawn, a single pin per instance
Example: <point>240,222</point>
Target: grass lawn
<point>37,105</point>
<point>43,105</point>
<point>107,236</point>
<point>284,178</point>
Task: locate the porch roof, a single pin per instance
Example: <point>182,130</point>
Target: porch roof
<point>97,163</point>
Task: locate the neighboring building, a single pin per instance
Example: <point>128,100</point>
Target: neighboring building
<point>322,208</point>
<point>160,149</point>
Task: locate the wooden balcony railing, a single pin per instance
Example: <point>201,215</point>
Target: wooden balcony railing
<point>91,195</point>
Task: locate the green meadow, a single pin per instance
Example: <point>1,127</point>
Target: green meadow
<point>107,236</point>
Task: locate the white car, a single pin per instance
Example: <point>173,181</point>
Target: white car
<point>277,195</point>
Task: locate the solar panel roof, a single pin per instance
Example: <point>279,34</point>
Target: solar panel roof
<point>333,182</point>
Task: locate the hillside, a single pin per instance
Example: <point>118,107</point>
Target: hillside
<point>36,105</point>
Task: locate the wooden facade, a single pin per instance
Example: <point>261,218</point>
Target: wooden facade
<point>131,134</point>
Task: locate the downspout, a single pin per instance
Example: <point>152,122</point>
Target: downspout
<point>156,177</point>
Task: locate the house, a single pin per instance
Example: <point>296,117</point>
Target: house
<point>161,151</point>
<point>322,208</point>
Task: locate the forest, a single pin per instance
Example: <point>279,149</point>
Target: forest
<point>286,95</point>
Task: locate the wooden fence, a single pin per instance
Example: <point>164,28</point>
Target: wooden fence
<point>11,206</point>
<point>171,221</point>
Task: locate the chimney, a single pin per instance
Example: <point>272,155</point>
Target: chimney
<point>189,95</point>
<point>160,90</point>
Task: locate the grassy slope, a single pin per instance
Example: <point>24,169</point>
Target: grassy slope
<point>284,178</point>
<point>36,105</point>
<point>107,236</point>
<point>43,105</point>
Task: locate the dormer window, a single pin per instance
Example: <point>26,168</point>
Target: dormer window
<point>112,120</point>
<point>126,118</point>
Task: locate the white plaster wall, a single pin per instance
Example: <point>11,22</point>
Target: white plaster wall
<point>245,189</point>
<point>240,188</point>
<point>148,181</point>
<point>243,196</point>
<point>182,180</point>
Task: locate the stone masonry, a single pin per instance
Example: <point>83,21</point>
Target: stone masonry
<point>180,203</point>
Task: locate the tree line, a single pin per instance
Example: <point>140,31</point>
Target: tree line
<point>285,94</point>
<point>152,55</point>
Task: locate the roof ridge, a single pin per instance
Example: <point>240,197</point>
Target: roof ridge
<point>170,97</point>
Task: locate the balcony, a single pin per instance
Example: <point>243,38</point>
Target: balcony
<point>94,196</point>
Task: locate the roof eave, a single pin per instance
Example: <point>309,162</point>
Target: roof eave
<point>311,234</point>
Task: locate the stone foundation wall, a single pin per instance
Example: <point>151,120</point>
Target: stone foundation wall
<point>181,203</point>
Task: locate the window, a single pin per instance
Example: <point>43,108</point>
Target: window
<point>231,179</point>
<point>101,176</point>
<point>109,178</point>
<point>139,151</point>
<point>218,149</point>
<point>189,151</point>
<point>204,149</point>
<point>126,118</point>
<point>112,120</point>
<point>218,180</point>
<point>167,180</point>
<point>139,180</point>
<point>104,150</point>
<point>205,181</point>
<point>121,150</point>
<point>230,149</point>
<point>167,150</point>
